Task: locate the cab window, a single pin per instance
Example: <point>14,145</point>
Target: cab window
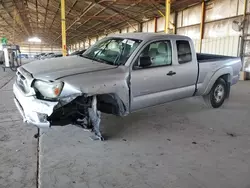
<point>183,51</point>
<point>155,54</point>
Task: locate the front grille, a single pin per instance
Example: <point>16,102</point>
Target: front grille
<point>22,83</point>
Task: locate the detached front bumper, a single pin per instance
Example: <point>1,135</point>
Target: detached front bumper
<point>33,110</point>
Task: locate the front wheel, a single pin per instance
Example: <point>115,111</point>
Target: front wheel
<point>217,95</point>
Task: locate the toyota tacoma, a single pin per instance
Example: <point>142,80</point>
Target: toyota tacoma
<point>118,75</point>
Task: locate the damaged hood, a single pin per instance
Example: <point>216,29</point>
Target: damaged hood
<point>52,69</point>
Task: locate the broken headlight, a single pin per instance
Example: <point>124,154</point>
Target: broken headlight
<point>49,89</point>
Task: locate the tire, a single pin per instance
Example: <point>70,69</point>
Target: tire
<point>217,95</point>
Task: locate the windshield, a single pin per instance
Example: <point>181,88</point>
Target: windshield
<point>113,51</point>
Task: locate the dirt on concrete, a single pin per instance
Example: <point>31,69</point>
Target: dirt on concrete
<point>18,159</point>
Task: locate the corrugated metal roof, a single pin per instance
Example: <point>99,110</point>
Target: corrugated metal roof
<point>21,19</point>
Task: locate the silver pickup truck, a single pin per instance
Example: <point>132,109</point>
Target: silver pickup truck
<point>119,75</point>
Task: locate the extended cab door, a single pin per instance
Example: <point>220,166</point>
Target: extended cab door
<point>152,75</point>
<point>186,69</point>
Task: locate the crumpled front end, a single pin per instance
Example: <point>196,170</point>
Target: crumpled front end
<point>75,103</point>
<point>33,111</point>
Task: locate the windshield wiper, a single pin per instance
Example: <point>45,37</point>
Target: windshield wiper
<point>98,59</point>
<point>120,55</point>
<point>81,55</point>
<point>101,50</point>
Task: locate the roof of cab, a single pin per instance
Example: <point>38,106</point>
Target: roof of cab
<point>147,36</point>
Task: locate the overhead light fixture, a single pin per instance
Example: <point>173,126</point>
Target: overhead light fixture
<point>34,39</point>
<point>145,19</point>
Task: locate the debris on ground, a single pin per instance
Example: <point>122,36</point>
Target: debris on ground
<point>36,135</point>
<point>231,134</point>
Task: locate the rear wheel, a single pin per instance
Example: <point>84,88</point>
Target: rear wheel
<point>217,95</point>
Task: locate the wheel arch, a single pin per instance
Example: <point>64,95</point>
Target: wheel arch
<point>225,74</point>
<point>110,103</point>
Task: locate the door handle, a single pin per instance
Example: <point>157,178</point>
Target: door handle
<point>171,73</point>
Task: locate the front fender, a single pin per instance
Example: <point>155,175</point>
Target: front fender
<point>113,82</point>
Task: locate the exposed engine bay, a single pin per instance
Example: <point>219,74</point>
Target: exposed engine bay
<point>82,112</point>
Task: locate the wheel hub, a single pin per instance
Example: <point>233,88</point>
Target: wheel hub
<point>219,93</point>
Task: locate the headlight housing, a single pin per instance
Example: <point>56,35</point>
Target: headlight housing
<point>48,89</point>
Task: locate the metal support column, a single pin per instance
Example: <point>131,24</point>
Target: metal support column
<point>29,50</point>
<point>14,25</point>
<point>63,21</point>
<point>155,23</point>
<point>140,27</point>
<point>167,16</point>
<point>243,29</point>
<point>203,10</point>
<point>242,46</point>
<point>175,22</point>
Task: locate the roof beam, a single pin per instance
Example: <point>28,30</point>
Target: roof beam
<point>74,4</point>
<point>109,18</point>
<point>54,18</point>
<point>119,12</point>
<point>40,5</point>
<point>107,26</point>
<point>180,4</point>
<point>5,9</point>
<point>22,5</point>
<point>46,13</point>
<point>129,2</point>
<point>91,5</point>
<point>96,14</point>
<point>17,30</point>
<point>66,7</point>
<point>36,15</point>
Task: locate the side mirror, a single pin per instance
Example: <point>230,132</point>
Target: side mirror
<point>145,61</point>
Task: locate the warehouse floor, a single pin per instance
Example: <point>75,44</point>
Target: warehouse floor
<point>180,144</point>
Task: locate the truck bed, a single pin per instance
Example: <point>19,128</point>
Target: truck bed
<point>210,65</point>
<point>205,58</point>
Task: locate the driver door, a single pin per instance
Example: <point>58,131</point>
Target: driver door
<point>152,84</point>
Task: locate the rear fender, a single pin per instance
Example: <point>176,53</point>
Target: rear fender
<point>226,73</point>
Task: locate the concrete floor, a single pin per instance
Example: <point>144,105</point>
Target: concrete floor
<point>180,144</point>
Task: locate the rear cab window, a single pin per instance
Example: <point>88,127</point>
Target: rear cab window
<point>183,51</point>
